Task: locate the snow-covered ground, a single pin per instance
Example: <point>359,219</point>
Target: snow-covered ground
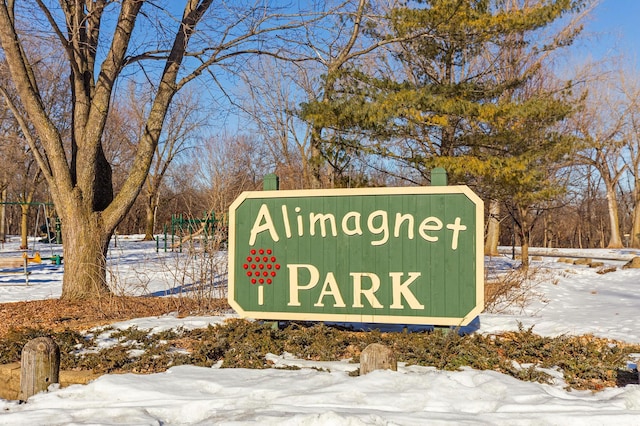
<point>566,299</point>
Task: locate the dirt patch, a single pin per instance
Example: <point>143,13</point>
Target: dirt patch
<point>58,315</point>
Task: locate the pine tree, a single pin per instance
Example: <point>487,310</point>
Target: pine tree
<point>470,94</point>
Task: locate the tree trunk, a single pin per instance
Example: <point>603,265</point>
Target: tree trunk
<point>493,229</point>
<point>635,227</point>
<point>151,207</point>
<point>149,223</point>
<point>525,237</point>
<point>24,222</point>
<point>85,253</point>
<point>524,249</point>
<point>614,222</point>
<point>314,174</point>
<point>3,213</point>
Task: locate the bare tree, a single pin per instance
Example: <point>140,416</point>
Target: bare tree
<point>22,178</point>
<point>183,121</point>
<point>100,40</point>
<point>630,88</point>
<point>6,166</point>
<point>274,90</point>
<point>231,165</point>
<point>600,125</point>
<point>180,135</point>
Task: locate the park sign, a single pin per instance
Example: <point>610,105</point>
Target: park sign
<point>383,255</point>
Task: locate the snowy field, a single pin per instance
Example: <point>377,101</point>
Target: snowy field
<point>567,299</point>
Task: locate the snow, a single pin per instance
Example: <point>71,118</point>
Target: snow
<point>567,299</point>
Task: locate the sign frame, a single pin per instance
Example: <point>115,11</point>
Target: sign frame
<point>358,317</point>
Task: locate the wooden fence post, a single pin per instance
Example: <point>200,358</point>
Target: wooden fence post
<point>39,366</point>
<point>377,357</point>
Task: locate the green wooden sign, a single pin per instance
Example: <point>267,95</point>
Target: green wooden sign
<point>382,255</point>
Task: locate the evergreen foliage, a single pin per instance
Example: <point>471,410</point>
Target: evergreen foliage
<point>470,93</point>
<point>465,95</point>
<point>583,362</point>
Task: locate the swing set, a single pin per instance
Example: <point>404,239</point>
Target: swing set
<point>52,235</point>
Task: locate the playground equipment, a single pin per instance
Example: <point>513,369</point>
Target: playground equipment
<point>14,262</point>
<point>186,230</point>
<point>52,234</point>
<point>52,231</point>
<point>23,262</point>
<point>51,228</point>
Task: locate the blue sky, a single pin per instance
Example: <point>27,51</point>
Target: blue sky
<point>614,29</point>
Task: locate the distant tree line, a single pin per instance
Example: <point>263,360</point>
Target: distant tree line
<point>144,111</point>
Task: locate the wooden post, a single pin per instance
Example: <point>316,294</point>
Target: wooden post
<point>377,357</point>
<point>39,366</point>
<point>271,182</point>
<point>438,177</point>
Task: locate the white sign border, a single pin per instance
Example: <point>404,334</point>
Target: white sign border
<point>359,318</point>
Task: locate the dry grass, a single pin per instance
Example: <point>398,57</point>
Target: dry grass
<point>57,315</point>
<point>515,290</point>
